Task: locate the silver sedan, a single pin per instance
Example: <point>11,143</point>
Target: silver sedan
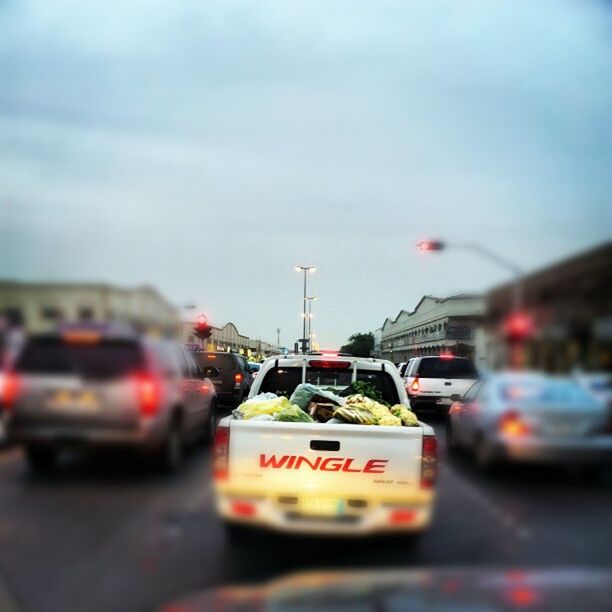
<point>532,418</point>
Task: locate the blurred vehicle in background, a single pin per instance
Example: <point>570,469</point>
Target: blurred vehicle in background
<point>598,384</point>
<point>442,590</point>
<point>531,417</point>
<point>230,373</point>
<point>97,387</point>
<point>254,367</point>
<point>430,381</point>
<point>318,477</point>
<point>401,368</point>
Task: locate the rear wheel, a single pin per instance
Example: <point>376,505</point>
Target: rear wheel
<point>211,424</point>
<point>483,454</point>
<point>41,459</point>
<point>451,442</point>
<point>236,533</point>
<point>170,456</point>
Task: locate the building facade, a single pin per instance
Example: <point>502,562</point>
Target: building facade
<point>570,304</point>
<point>228,339</point>
<point>39,307</point>
<point>436,325</point>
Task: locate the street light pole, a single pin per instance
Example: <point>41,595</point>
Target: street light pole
<point>517,293</point>
<point>310,300</point>
<point>278,331</point>
<point>306,270</point>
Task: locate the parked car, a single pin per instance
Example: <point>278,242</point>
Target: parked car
<point>530,417</point>
<point>92,388</point>
<point>430,381</point>
<point>321,477</point>
<point>230,373</point>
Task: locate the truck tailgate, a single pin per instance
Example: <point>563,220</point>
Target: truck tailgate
<point>271,458</point>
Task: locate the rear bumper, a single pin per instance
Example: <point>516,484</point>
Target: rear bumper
<point>557,450</point>
<point>146,434</point>
<point>269,514</point>
<point>428,402</point>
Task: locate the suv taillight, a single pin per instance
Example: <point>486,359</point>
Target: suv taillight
<point>429,462</point>
<point>10,390</point>
<point>148,394</point>
<point>238,378</point>
<point>415,385</point>
<point>221,453</point>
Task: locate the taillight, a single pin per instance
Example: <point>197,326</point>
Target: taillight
<point>243,508</point>
<point>221,453</point>
<point>415,384</point>
<point>429,462</point>
<point>148,394</point>
<point>326,364</point>
<point>402,517</point>
<point>512,424</point>
<point>238,378</point>
<point>10,389</point>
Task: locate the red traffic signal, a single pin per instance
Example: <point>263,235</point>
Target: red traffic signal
<point>431,245</point>
<point>518,326</point>
<point>201,328</point>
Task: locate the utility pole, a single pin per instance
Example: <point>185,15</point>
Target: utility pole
<point>278,331</point>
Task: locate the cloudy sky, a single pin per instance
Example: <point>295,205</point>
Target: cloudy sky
<point>208,147</point>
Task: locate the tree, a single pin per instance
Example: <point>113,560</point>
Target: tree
<point>359,345</point>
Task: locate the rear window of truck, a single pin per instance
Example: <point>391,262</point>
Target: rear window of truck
<point>437,367</point>
<point>224,362</point>
<point>103,360</point>
<point>283,381</point>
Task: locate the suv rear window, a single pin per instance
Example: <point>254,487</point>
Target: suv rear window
<point>283,381</point>
<point>224,362</point>
<point>436,367</point>
<point>104,360</point>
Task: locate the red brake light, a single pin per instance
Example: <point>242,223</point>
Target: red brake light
<point>238,378</point>
<point>511,424</point>
<point>402,517</point>
<point>242,508</point>
<point>429,462</point>
<point>415,384</point>
<point>10,389</point>
<point>323,364</point>
<point>446,355</point>
<point>148,393</point>
<point>221,453</point>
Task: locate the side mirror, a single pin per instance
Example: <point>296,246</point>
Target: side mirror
<point>455,397</point>
<point>210,372</point>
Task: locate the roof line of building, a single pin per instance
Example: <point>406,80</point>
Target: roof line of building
<point>438,300</point>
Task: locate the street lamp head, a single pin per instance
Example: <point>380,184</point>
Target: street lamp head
<point>312,269</point>
<point>431,245</point>
<point>298,268</point>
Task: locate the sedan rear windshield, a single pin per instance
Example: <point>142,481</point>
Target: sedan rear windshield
<point>437,367</point>
<point>224,362</point>
<point>544,393</point>
<point>283,381</point>
<point>104,360</point>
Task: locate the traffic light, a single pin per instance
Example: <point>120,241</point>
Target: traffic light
<point>202,329</point>
<point>431,245</point>
<point>518,326</point>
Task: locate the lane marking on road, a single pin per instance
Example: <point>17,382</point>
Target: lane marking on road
<point>495,510</point>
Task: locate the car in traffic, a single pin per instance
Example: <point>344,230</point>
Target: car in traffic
<point>432,380</point>
<point>318,477</point>
<point>254,367</point>
<point>598,384</point>
<point>530,417</point>
<point>103,388</point>
<point>229,372</point>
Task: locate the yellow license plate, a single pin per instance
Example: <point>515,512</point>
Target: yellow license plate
<point>66,400</point>
<point>322,506</point>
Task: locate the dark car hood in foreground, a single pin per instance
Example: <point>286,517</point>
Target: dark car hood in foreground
<point>420,590</point>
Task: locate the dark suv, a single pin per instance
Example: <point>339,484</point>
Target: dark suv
<point>90,388</point>
<point>230,373</point>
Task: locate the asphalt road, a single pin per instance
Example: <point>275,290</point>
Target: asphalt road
<point>107,534</point>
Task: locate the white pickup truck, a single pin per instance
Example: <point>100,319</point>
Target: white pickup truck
<point>319,477</point>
